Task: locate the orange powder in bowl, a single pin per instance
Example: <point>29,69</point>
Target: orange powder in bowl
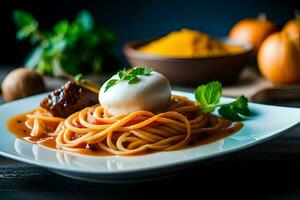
<point>189,43</point>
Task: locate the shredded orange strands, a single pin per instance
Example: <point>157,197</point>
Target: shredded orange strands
<point>126,134</point>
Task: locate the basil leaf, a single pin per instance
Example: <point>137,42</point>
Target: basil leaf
<point>133,80</point>
<point>145,71</point>
<point>122,74</point>
<point>111,83</point>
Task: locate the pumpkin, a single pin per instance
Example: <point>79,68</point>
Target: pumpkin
<point>279,58</point>
<point>293,25</point>
<point>253,30</point>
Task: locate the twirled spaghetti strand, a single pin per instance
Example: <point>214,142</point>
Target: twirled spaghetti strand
<point>127,134</point>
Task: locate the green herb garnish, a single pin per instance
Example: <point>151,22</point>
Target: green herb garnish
<point>131,76</point>
<point>71,47</point>
<point>209,97</point>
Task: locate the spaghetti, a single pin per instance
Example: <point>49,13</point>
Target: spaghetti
<point>94,129</point>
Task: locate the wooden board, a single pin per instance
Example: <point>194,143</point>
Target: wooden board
<point>249,84</point>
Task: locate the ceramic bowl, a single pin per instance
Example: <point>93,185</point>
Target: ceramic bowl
<point>191,71</point>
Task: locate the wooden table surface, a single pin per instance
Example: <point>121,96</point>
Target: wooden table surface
<point>267,171</point>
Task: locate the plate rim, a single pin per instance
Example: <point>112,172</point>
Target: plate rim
<point>147,168</point>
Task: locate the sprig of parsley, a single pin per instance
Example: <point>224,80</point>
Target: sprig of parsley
<point>131,76</point>
<point>70,47</point>
<point>209,97</point>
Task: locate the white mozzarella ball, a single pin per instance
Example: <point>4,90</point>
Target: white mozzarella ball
<point>151,93</point>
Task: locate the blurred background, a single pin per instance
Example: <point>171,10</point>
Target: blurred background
<point>133,19</point>
<point>61,42</point>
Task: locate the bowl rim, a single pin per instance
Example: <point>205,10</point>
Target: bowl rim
<point>131,51</point>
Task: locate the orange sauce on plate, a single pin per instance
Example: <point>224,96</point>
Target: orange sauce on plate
<point>16,125</point>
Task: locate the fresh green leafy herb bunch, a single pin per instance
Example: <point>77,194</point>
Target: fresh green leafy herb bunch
<point>81,46</point>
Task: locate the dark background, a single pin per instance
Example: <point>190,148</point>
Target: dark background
<point>132,19</point>
<point>267,171</point>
